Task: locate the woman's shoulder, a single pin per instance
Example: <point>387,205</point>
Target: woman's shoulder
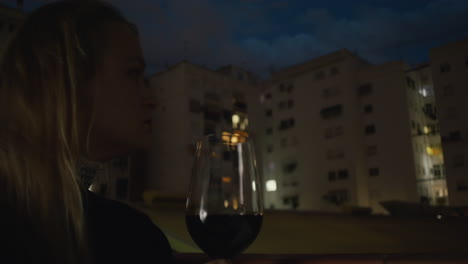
<point>120,231</point>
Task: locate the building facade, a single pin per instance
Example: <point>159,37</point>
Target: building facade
<point>338,132</point>
<point>449,66</point>
<point>194,101</point>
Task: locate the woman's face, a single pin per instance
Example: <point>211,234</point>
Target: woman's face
<point>122,111</point>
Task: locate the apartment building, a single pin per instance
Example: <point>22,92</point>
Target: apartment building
<point>194,101</point>
<point>338,132</point>
<point>449,65</point>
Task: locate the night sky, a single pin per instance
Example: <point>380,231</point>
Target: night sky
<point>263,34</point>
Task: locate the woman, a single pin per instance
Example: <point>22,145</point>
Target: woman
<point>71,84</point>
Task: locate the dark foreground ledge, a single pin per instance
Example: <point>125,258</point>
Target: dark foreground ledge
<point>348,259</point>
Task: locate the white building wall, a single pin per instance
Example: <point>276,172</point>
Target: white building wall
<point>449,65</point>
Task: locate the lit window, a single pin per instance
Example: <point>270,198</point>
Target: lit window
<point>235,121</point>
<point>271,185</point>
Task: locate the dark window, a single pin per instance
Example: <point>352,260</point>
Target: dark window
<point>211,97</point>
<point>282,88</point>
<point>282,105</point>
<point>455,136</point>
<point>332,111</point>
<point>365,89</point>
<point>430,111</point>
<point>290,88</point>
<point>292,122</point>
<point>410,82</point>
<point>368,109</point>
<point>374,172</point>
<point>445,67</point>
<point>331,176</point>
<point>269,131</point>
<point>448,90</point>
<point>337,197</point>
<point>103,189</point>
<point>212,116</point>
<point>333,131</point>
<point>269,113</point>
<point>283,125</point>
<point>462,186</point>
<point>335,154</point>
<point>270,149</point>
<point>369,130</point>
<point>290,167</point>
<point>226,155</point>
<point>343,174</point>
<point>227,115</point>
<point>319,75</point>
<point>287,123</point>
<point>120,163</point>
<point>194,106</point>
<point>240,106</point>
<point>209,129</point>
<point>452,113</point>
<point>268,95</point>
<point>11,28</point>
<point>371,150</point>
<point>334,71</point>
<point>121,188</point>
<point>284,142</point>
<point>290,104</point>
<point>438,171</point>
<point>458,161</point>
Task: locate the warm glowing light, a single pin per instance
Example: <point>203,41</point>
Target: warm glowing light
<point>235,119</point>
<point>254,188</point>
<point>235,204</point>
<point>433,150</point>
<point>271,185</point>
<point>227,179</point>
<point>234,139</point>
<point>226,204</point>
<point>226,138</point>
<point>426,130</point>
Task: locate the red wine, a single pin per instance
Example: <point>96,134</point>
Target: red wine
<point>224,236</point>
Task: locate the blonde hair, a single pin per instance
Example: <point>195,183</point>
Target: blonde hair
<point>46,119</point>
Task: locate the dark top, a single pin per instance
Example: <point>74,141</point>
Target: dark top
<point>121,234</point>
<point>117,233</point>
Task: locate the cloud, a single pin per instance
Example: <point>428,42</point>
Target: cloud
<point>257,33</point>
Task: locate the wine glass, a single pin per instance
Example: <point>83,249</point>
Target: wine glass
<point>224,206</point>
